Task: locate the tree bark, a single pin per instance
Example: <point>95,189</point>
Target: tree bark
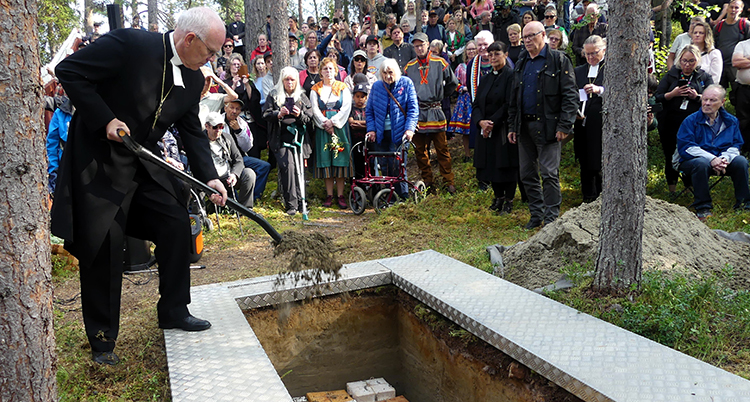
<point>27,341</point>
<point>153,13</point>
<point>619,263</point>
<point>88,16</point>
<point>300,18</point>
<point>255,24</point>
<point>280,35</point>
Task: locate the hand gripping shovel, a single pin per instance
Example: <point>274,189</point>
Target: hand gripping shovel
<point>145,155</point>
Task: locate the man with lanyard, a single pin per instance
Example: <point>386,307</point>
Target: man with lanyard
<point>402,52</point>
<point>433,80</point>
<point>105,192</point>
<point>538,123</point>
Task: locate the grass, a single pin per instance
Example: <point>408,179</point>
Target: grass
<point>698,316</point>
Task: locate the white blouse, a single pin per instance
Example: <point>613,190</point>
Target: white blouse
<point>340,118</point>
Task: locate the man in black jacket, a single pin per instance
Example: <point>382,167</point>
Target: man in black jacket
<point>142,83</point>
<point>236,32</point>
<point>542,111</point>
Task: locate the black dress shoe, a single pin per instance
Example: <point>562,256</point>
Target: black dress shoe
<point>497,203</point>
<point>189,323</point>
<point>533,224</point>
<point>109,358</point>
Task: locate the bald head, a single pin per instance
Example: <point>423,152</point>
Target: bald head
<point>533,37</point>
<point>198,35</point>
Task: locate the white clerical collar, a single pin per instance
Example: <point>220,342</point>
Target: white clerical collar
<point>176,63</point>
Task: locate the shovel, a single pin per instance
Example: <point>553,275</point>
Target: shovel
<point>145,155</point>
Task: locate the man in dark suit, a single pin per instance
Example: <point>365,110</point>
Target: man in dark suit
<point>140,82</point>
<point>236,32</point>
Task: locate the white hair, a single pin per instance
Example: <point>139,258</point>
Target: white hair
<point>198,20</point>
<point>486,35</point>
<point>390,64</point>
<point>287,72</point>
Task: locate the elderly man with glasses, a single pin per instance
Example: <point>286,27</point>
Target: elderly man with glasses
<point>105,193</point>
<point>543,106</point>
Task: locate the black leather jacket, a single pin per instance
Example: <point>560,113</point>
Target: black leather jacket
<point>558,95</point>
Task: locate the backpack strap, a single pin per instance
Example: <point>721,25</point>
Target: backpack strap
<point>718,26</point>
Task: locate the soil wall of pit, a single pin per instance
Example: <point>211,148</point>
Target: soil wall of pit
<point>322,344</point>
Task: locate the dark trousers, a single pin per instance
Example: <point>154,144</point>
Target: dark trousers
<point>742,108</point>
<point>538,158</point>
<point>504,190</point>
<point>154,215</point>
<point>699,169</point>
<point>591,184</point>
<point>389,166</point>
<point>668,137</point>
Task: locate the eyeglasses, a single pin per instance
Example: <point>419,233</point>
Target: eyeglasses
<point>228,46</point>
<point>592,54</point>
<point>219,126</point>
<point>531,36</point>
<point>549,17</point>
<point>554,39</point>
<point>210,51</point>
<point>360,59</point>
<point>471,48</point>
<point>687,61</point>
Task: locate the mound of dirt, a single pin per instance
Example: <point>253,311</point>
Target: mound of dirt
<point>673,239</point>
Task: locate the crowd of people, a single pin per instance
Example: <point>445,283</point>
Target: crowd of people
<point>463,69</point>
<point>495,76</point>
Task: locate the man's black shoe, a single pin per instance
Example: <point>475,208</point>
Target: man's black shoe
<point>188,323</point>
<point>109,358</point>
<point>533,224</point>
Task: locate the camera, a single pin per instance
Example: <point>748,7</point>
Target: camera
<point>335,20</point>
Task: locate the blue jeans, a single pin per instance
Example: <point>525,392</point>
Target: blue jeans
<point>261,169</point>
<point>699,169</point>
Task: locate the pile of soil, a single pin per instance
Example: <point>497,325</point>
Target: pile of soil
<point>673,239</point>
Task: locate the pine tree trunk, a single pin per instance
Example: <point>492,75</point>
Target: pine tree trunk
<point>153,13</point>
<point>300,18</point>
<point>27,341</point>
<point>280,34</point>
<point>255,24</point>
<point>88,16</point>
<point>620,262</point>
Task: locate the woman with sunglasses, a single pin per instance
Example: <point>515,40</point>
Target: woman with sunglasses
<point>359,65</point>
<point>221,62</point>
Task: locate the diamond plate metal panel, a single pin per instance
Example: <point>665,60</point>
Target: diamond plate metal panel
<point>590,358</point>
<point>224,363</point>
<point>266,291</point>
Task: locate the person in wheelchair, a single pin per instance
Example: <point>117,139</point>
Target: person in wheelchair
<point>709,143</point>
<point>228,160</point>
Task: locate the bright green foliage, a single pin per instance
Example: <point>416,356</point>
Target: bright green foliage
<point>55,21</point>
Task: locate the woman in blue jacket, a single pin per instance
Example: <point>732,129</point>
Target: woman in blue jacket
<point>392,112</point>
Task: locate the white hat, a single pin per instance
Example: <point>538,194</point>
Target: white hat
<point>214,118</point>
